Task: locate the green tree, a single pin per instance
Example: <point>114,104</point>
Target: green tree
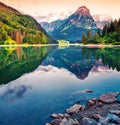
<point>98,32</point>
<point>105,30</point>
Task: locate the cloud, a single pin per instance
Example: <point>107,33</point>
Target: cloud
<point>102,17</point>
<point>13,93</point>
<point>52,16</point>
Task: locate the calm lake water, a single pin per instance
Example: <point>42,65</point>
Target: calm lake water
<point>38,81</point>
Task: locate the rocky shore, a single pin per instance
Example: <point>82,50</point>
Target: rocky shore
<point>104,110</point>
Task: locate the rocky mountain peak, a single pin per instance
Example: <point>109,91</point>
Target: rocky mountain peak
<point>83,10</point>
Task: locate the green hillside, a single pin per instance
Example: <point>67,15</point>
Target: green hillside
<point>21,28</point>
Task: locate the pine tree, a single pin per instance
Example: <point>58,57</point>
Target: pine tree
<point>105,30</point>
<point>98,32</point>
<point>111,27</point>
<point>83,38</point>
<point>88,34</point>
<point>116,25</point>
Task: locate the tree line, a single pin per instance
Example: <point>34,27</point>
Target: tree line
<point>110,34</point>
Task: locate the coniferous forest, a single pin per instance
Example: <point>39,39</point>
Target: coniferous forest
<point>110,34</point>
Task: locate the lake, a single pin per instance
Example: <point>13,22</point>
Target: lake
<point>38,81</point>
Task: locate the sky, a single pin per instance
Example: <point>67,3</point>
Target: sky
<point>62,8</point>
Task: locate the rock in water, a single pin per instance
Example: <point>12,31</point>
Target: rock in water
<point>56,122</point>
<point>96,117</point>
<point>113,118</point>
<point>109,98</point>
<point>74,109</point>
<point>116,112</point>
<point>47,124</point>
<point>88,121</point>
<point>69,121</point>
<point>57,115</point>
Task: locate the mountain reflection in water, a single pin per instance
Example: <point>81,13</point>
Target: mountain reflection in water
<point>15,62</point>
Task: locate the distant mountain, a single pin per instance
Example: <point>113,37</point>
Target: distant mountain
<point>102,19</point>
<point>72,28</point>
<point>21,28</point>
<point>50,27</point>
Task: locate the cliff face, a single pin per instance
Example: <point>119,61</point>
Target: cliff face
<point>13,23</point>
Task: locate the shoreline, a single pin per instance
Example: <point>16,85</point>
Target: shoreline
<point>104,110</point>
<point>82,45</point>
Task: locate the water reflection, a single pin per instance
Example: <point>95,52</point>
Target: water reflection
<point>80,61</point>
<point>45,80</point>
<point>16,61</point>
<point>12,93</point>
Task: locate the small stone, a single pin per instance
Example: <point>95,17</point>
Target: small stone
<point>47,124</point>
<point>56,122</point>
<point>57,115</point>
<point>96,116</point>
<point>116,112</point>
<point>90,103</point>
<point>109,97</point>
<point>87,121</point>
<point>89,91</point>
<point>74,109</point>
<point>94,100</point>
<point>66,115</point>
<point>69,121</point>
<point>83,108</point>
<point>99,104</point>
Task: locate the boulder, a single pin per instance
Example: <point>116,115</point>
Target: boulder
<point>74,109</point>
<point>69,121</point>
<point>109,98</point>
<point>88,121</point>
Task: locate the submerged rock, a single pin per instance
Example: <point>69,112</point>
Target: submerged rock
<point>109,97</point>
<point>74,109</point>
<point>83,91</point>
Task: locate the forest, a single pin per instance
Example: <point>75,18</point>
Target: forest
<point>20,28</point>
<point>110,34</point>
